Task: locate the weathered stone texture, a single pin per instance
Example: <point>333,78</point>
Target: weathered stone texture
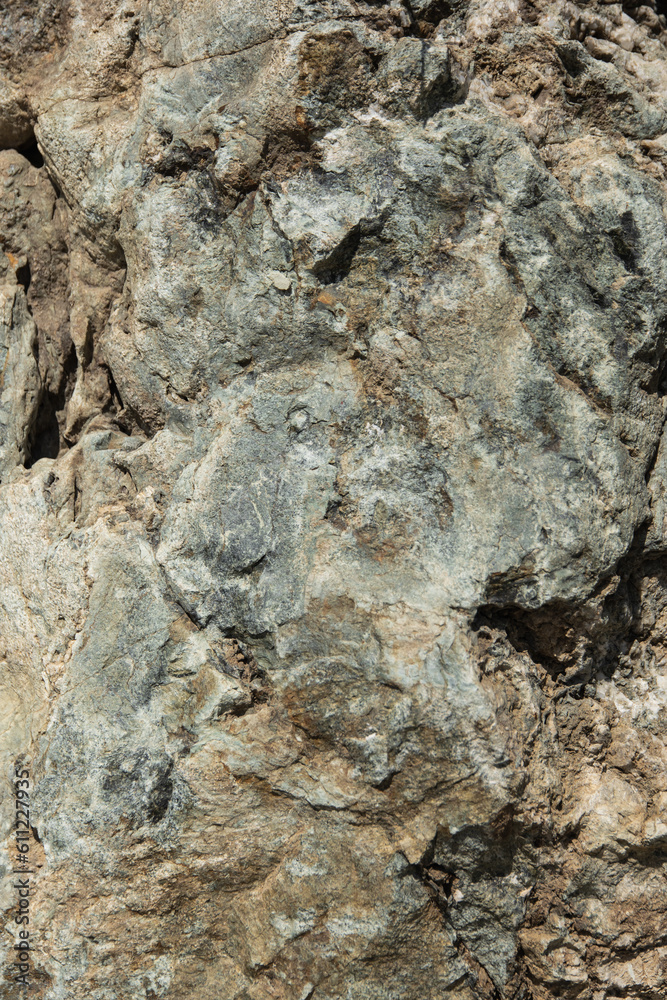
<point>333,497</point>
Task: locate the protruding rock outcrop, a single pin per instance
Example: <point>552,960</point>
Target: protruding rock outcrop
<point>333,589</point>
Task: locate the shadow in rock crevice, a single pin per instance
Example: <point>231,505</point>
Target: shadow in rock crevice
<point>32,153</point>
<point>580,642</point>
<point>45,438</point>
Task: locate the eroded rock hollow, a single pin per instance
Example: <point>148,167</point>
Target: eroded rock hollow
<point>333,498</point>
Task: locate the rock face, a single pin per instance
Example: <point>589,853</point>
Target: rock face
<point>333,498</point>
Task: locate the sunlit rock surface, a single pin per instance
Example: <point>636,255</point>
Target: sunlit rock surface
<point>333,501</point>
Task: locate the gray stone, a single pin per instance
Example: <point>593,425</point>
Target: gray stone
<point>332,497</point>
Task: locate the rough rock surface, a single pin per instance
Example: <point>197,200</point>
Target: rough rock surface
<point>333,497</point>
